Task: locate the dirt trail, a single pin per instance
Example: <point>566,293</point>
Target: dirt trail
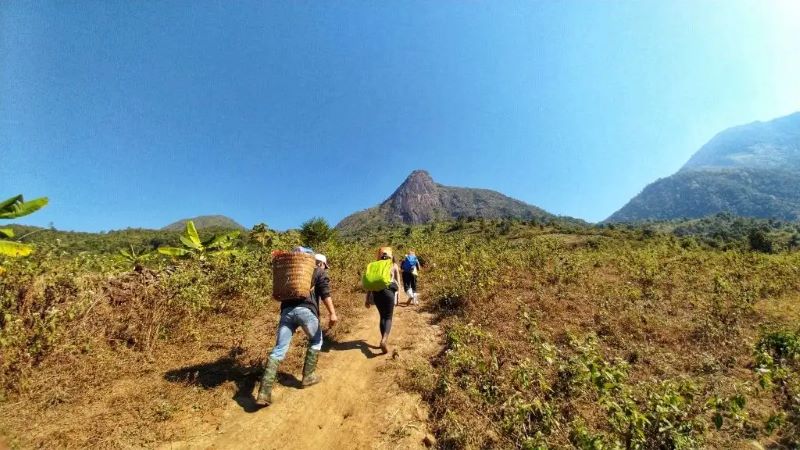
<point>358,404</point>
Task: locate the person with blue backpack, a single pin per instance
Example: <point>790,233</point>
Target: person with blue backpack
<point>410,267</point>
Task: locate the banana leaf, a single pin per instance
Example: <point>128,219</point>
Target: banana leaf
<point>173,251</point>
<point>6,232</point>
<point>221,253</point>
<point>8,202</point>
<point>14,249</point>
<point>222,241</point>
<point>191,244</point>
<point>16,207</point>
<point>191,233</point>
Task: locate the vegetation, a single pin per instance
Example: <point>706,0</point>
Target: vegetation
<point>192,245</point>
<point>725,231</point>
<point>693,194</point>
<point>13,208</point>
<point>316,232</point>
<point>556,335</point>
<point>604,338</point>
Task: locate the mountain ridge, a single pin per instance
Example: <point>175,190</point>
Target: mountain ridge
<point>750,170</point>
<point>204,222</point>
<point>419,200</point>
<point>773,144</point>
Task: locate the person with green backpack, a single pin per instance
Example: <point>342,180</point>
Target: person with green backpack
<point>380,280</point>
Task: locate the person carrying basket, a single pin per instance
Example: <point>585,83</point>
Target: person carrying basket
<point>303,312</point>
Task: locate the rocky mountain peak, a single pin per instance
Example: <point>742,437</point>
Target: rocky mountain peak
<point>419,199</point>
<point>415,200</point>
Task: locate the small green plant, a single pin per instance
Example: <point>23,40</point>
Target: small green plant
<point>136,259</point>
<point>775,354</point>
<point>13,208</point>
<point>217,245</point>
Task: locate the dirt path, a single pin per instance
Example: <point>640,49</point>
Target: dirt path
<point>358,405</point>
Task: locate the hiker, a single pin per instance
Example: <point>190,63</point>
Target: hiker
<point>304,313</point>
<point>410,267</point>
<point>381,283</point>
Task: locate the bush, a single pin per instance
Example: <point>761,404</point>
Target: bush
<point>316,231</point>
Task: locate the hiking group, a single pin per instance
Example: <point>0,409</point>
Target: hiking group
<point>300,305</point>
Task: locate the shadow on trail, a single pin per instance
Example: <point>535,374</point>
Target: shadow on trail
<point>227,368</point>
<point>213,374</point>
<point>356,344</point>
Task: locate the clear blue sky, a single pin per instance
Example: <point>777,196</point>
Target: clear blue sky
<point>141,113</point>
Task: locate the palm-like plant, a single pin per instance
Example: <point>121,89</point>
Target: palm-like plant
<point>11,209</point>
<point>136,258</point>
<point>193,246</point>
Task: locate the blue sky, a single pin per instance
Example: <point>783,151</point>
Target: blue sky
<point>141,113</point>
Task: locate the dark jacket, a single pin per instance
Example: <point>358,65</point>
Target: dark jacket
<point>322,290</point>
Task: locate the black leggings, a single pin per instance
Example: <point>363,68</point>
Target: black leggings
<point>409,281</point>
<point>384,301</point>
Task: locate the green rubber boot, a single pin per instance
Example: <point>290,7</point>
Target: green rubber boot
<point>264,397</point>
<point>310,378</point>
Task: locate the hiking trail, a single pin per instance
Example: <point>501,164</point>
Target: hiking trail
<point>358,405</point>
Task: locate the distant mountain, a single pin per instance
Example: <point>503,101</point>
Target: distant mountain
<point>759,145</point>
<point>203,222</point>
<point>421,200</point>
<point>751,170</point>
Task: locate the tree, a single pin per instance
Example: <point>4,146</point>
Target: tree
<point>759,241</point>
<point>11,209</point>
<point>316,231</point>
<point>794,242</point>
<point>262,234</point>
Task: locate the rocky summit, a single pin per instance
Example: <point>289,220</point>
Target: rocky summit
<point>419,199</point>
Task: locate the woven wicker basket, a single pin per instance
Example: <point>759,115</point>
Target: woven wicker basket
<point>292,275</point>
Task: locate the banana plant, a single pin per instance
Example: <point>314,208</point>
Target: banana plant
<point>135,258</point>
<point>193,246</point>
<point>11,209</point>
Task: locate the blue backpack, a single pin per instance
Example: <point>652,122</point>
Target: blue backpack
<point>409,262</point>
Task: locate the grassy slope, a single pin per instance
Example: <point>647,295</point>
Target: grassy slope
<point>608,341</point>
<point>555,336</point>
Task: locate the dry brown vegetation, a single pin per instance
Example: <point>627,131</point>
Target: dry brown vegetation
<point>94,354</point>
<point>614,341</point>
<point>588,338</point>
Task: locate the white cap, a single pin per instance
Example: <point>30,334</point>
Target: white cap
<point>321,258</point>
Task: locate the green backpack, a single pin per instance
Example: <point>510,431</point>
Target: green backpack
<point>378,275</point>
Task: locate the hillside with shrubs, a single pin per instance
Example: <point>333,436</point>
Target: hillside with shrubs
<point>556,334</point>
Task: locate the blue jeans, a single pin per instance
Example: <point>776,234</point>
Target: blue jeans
<point>291,318</point>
